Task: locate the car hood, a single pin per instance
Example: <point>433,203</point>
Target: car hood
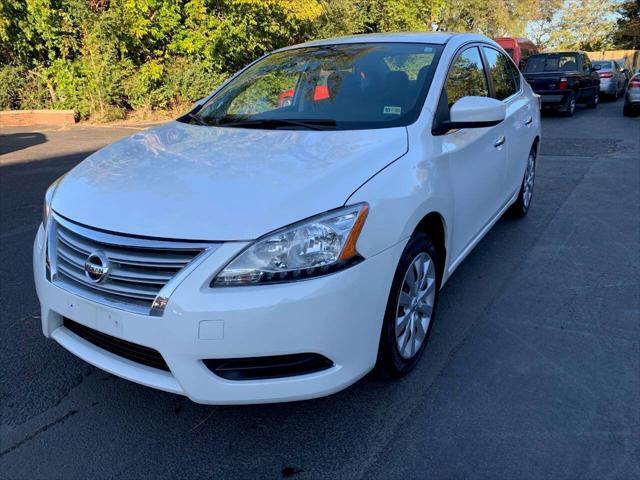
<point>180,181</point>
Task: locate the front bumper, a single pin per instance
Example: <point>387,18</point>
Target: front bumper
<point>338,316</point>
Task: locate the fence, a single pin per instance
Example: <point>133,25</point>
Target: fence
<point>630,58</point>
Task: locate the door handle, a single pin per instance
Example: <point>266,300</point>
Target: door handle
<point>528,121</point>
<point>500,141</point>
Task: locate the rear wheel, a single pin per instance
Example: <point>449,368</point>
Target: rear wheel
<point>521,206</point>
<point>570,109</point>
<point>410,308</point>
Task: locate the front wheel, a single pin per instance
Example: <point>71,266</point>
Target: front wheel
<point>521,206</point>
<point>410,308</point>
<point>595,99</point>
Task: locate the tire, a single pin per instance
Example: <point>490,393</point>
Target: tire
<point>571,106</point>
<point>394,361</point>
<point>595,99</point>
<point>521,206</point>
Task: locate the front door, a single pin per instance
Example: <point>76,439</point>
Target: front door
<point>477,157</point>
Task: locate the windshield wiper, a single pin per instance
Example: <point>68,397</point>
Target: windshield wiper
<point>311,123</point>
<point>198,119</point>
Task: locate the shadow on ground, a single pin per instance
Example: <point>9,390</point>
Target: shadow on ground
<point>17,141</point>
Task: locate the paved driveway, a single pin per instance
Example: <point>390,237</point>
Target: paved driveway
<point>533,369</point>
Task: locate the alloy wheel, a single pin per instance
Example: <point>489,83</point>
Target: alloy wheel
<point>529,178</point>
<point>415,305</point>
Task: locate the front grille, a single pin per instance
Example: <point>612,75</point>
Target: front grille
<point>138,268</point>
<point>131,351</point>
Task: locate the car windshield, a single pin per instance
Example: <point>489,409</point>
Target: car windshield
<point>348,86</point>
<point>551,63</point>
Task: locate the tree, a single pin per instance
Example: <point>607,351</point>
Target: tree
<point>627,33</point>
<point>493,18</point>
<point>578,25</point>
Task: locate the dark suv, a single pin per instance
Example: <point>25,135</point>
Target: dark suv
<point>563,79</point>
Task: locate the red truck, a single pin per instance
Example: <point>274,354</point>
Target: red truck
<point>519,49</point>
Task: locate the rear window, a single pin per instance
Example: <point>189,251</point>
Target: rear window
<point>551,63</point>
<point>602,63</point>
<point>509,51</point>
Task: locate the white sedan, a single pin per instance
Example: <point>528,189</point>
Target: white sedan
<point>292,231</point>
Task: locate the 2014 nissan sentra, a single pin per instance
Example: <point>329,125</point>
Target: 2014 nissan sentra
<point>293,230</point>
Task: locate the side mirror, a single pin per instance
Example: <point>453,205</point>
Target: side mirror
<point>473,112</point>
<point>596,67</point>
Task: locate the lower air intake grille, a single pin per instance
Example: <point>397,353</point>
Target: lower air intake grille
<point>262,368</point>
<point>131,351</point>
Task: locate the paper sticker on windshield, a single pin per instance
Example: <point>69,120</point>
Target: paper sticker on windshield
<point>392,110</point>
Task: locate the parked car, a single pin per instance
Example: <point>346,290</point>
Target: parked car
<point>519,49</point>
<point>632,96</point>
<point>256,252</point>
<point>563,79</point>
<point>613,79</point>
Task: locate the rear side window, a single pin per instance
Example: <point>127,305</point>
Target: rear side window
<point>516,74</point>
<point>551,63</point>
<point>466,77</point>
<point>504,84</point>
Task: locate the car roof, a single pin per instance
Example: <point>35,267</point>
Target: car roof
<point>515,39</point>
<point>439,38</point>
<point>568,52</point>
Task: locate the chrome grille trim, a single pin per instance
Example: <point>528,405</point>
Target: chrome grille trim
<point>143,273</point>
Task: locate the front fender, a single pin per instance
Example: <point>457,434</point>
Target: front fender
<point>399,197</point>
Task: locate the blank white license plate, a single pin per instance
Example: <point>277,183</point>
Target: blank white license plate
<point>93,316</point>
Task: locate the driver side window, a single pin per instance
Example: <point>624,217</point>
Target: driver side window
<point>466,77</point>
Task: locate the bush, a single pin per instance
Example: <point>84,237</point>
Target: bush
<point>12,83</point>
<point>170,86</point>
<point>188,81</point>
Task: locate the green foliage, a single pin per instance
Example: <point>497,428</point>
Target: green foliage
<point>103,58</point>
<point>588,25</point>
<point>627,34</point>
<point>12,83</point>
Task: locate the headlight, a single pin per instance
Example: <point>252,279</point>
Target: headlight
<point>317,246</point>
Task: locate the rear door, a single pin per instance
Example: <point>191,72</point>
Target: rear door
<point>504,79</point>
<point>477,156</point>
